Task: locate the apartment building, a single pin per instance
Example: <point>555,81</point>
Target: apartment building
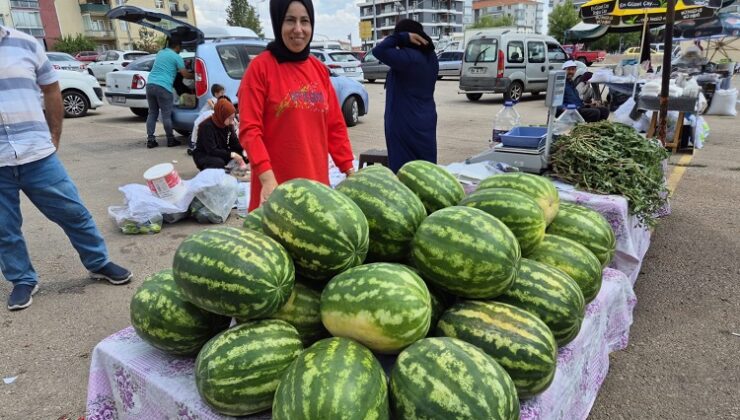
<point>439,17</point>
<point>35,17</point>
<point>527,14</point>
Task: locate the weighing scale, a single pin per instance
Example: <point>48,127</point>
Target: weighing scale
<point>533,160</point>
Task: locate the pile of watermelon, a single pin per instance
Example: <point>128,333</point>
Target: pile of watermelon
<point>465,299</point>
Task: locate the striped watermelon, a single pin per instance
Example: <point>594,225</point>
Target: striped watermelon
<point>519,341</point>
<point>538,187</point>
<point>466,252</point>
<point>377,169</point>
<point>587,227</point>
<point>384,306</point>
<point>303,311</point>
<point>235,272</point>
<point>445,378</point>
<point>521,214</point>
<point>572,258</point>
<point>323,230</point>
<point>238,371</point>
<point>336,378</point>
<point>436,187</point>
<point>551,295</point>
<point>163,318</point>
<point>392,210</point>
<point>254,220</point>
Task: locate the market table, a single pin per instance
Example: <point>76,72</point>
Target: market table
<point>129,379</point>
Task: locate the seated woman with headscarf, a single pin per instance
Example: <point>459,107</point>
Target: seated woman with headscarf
<point>217,143</point>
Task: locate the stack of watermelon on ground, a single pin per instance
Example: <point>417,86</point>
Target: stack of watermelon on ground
<point>471,295</point>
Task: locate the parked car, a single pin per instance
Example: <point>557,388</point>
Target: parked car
<point>87,56</point>
<point>508,62</point>
<point>586,57</point>
<point>343,63</point>
<point>113,60</point>
<point>64,61</point>
<point>372,68</point>
<point>450,63</point>
<point>221,58</point>
<point>632,56</point>
<point>127,88</point>
<point>352,97</point>
<point>80,93</point>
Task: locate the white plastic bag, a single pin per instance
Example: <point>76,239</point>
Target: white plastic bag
<point>134,224</point>
<point>218,200</point>
<point>723,103</point>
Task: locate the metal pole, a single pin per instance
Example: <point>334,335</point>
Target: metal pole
<point>666,71</point>
<point>375,25</point>
<point>642,45</point>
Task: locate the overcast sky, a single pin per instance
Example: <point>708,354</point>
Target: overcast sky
<point>334,18</point>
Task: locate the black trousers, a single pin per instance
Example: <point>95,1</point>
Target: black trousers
<point>209,162</point>
<point>594,114</point>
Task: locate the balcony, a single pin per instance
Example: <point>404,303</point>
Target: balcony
<point>100,34</point>
<point>94,8</point>
<point>24,4</point>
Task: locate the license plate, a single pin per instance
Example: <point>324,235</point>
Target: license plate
<point>479,70</point>
<point>118,99</point>
<point>350,69</point>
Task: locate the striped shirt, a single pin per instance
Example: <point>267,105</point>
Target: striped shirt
<point>24,133</point>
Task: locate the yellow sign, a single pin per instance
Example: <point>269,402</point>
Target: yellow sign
<point>366,29</point>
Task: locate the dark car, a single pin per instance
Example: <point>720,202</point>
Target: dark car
<point>372,68</point>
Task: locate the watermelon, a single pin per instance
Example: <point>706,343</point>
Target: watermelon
<point>163,318</point>
<point>377,169</point>
<point>466,252</point>
<point>551,295</point>
<point>436,187</point>
<point>254,220</point>
<point>303,311</point>
<point>336,378</point>
<point>587,227</point>
<point>384,306</point>
<point>392,210</point>
<point>518,340</point>
<point>572,258</point>
<point>445,378</point>
<point>238,371</point>
<point>538,187</point>
<point>323,230</point>
<point>519,212</point>
<point>234,272</point>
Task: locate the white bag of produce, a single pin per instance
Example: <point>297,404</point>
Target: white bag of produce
<point>723,103</point>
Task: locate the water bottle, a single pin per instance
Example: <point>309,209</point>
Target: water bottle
<point>242,198</point>
<point>506,119</point>
<point>567,120</point>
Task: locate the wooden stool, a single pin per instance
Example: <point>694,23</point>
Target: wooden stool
<point>373,156</point>
<point>674,143</point>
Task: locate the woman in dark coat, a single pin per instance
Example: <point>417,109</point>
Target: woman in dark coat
<point>410,112</point>
<point>217,143</point>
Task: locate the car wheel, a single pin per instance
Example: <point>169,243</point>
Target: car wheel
<point>514,93</point>
<point>184,133</point>
<point>75,103</point>
<point>351,111</point>
<point>371,80</point>
<point>140,112</point>
<point>439,77</point>
<point>473,97</point>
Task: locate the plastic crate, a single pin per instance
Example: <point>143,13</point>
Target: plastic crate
<point>525,137</point>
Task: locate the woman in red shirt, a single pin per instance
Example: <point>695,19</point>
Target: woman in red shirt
<point>289,116</point>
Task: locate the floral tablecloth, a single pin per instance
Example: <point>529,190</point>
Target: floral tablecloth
<point>131,380</point>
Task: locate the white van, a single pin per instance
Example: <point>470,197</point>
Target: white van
<point>509,62</point>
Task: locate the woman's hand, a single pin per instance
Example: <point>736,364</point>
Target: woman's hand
<point>349,172</point>
<point>269,183</point>
<point>417,39</point>
<point>239,159</point>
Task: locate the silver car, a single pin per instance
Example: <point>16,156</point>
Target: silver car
<point>450,63</point>
<point>373,68</point>
<point>341,62</point>
<point>64,61</point>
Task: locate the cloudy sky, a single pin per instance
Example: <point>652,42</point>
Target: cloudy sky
<point>334,18</point>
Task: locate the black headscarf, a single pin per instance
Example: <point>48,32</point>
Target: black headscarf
<point>278,9</point>
<point>412,26</point>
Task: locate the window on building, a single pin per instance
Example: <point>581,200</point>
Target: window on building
<point>2,20</point>
<point>515,52</point>
<point>536,52</point>
<point>123,25</point>
<point>26,19</point>
<point>159,4</point>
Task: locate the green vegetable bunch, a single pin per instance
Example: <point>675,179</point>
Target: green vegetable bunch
<point>609,158</point>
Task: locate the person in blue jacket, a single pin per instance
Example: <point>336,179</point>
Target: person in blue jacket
<point>410,111</point>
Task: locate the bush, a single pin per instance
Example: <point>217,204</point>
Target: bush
<point>73,44</point>
<point>149,41</point>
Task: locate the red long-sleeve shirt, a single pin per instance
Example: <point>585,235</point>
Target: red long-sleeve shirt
<point>290,121</point>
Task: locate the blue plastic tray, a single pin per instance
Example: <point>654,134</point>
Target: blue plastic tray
<point>525,137</point>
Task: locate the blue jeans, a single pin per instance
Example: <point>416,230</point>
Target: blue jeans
<point>46,183</point>
<point>159,100</point>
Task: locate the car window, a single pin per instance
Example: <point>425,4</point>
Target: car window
<point>556,54</point>
<point>133,56</point>
<point>236,58</point>
<point>445,57</point>
<point>369,57</point>
<point>342,57</point>
<point>54,57</point>
<point>457,56</point>
<point>484,50</point>
<point>319,56</point>
<point>535,52</point>
<point>112,56</point>
<point>145,64</point>
<point>515,52</point>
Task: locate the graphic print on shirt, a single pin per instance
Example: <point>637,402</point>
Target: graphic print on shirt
<point>308,97</point>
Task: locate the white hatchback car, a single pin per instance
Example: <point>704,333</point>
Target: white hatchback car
<point>341,62</point>
<point>113,60</point>
<point>127,88</point>
<point>80,93</point>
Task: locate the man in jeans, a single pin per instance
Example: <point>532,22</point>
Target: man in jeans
<point>159,91</point>
<point>29,163</point>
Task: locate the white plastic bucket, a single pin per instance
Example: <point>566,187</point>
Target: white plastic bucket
<point>164,181</point>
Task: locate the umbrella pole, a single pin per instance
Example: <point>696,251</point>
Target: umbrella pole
<point>666,71</point>
<point>642,45</point>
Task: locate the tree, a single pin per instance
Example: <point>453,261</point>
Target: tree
<point>241,13</point>
<point>562,17</point>
<point>616,42</point>
<point>493,22</point>
<point>74,44</point>
<point>149,41</point>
